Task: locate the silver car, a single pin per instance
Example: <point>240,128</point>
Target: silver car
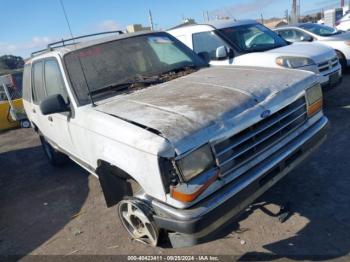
<point>309,32</point>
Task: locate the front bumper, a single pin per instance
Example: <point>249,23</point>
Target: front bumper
<point>202,221</point>
<point>332,79</point>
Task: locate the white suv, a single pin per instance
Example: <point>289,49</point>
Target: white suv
<point>180,147</point>
<point>249,43</point>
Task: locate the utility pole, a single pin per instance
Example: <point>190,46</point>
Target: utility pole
<point>287,15</point>
<point>294,12</point>
<point>208,16</point>
<point>262,19</point>
<point>203,16</point>
<point>151,20</point>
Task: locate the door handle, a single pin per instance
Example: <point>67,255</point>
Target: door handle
<point>33,110</point>
<point>50,118</point>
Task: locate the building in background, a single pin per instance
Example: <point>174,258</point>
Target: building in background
<point>137,28</point>
<point>275,22</point>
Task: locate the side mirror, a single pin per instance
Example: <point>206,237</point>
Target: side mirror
<point>306,38</point>
<point>53,104</point>
<point>221,53</point>
<point>205,56</point>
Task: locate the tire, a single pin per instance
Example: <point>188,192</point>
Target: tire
<point>136,217</point>
<point>55,157</point>
<point>25,124</point>
<point>342,61</point>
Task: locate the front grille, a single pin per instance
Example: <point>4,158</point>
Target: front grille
<point>328,65</point>
<point>244,146</point>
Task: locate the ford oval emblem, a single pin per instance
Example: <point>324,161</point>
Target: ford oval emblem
<point>265,114</point>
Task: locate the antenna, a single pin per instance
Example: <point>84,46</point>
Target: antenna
<point>73,39</point>
<point>151,20</point>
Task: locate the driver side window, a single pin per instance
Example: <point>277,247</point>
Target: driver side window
<point>53,80</point>
<point>293,35</point>
<point>207,42</point>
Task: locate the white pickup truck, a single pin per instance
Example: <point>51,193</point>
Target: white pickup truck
<point>180,147</point>
<point>249,43</point>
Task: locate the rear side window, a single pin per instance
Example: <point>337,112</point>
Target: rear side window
<point>38,83</point>
<point>53,80</point>
<point>292,35</point>
<point>27,83</point>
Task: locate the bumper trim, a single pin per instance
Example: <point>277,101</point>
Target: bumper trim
<point>201,220</point>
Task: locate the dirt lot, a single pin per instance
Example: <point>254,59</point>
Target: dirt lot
<point>44,210</point>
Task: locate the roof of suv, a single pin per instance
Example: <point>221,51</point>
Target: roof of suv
<point>213,24</point>
<point>62,50</point>
<point>220,24</point>
<point>292,25</point>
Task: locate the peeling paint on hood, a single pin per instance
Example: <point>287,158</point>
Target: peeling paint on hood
<point>192,109</point>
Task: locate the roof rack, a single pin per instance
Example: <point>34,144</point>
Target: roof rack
<point>63,42</point>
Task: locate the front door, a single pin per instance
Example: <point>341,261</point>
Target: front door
<point>57,124</point>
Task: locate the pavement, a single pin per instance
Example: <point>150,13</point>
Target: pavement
<point>61,211</point>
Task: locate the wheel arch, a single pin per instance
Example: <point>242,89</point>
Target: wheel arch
<point>343,61</point>
<point>116,183</point>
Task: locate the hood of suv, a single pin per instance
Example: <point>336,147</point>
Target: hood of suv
<point>190,110</point>
<point>317,52</point>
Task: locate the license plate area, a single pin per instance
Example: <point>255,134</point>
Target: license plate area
<point>334,78</point>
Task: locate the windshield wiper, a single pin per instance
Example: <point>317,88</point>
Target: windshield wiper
<point>121,86</point>
<point>179,69</point>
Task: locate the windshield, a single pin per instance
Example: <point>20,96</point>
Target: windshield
<point>253,38</point>
<point>320,30</point>
<point>111,64</point>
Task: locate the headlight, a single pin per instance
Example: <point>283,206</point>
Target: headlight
<point>294,62</point>
<point>196,162</point>
<point>314,99</point>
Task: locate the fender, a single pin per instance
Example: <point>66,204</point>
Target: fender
<point>116,184</point>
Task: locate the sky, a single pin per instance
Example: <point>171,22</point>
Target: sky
<point>29,25</point>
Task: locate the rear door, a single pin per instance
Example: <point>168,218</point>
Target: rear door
<point>38,94</point>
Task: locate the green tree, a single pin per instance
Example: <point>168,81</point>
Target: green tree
<point>9,63</point>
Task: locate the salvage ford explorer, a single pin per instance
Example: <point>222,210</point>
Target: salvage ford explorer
<point>180,147</point>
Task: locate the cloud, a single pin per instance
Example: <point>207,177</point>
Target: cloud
<point>40,42</point>
<point>108,25</point>
<point>242,9</point>
<point>6,48</point>
<point>25,48</point>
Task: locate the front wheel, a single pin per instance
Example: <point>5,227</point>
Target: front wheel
<point>342,61</point>
<point>25,123</point>
<point>137,220</point>
<point>55,157</point>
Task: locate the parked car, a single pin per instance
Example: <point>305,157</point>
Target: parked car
<point>344,23</point>
<point>309,32</point>
<point>179,146</point>
<point>248,43</point>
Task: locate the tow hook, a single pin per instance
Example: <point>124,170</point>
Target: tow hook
<point>284,212</point>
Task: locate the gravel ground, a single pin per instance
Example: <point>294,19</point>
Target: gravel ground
<point>45,210</point>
